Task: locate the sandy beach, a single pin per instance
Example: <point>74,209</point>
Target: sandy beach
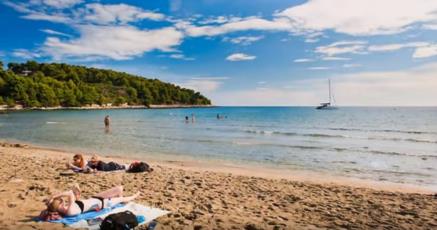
<point>202,198</point>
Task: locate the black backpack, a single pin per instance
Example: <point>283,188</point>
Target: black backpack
<point>139,167</point>
<point>119,221</point>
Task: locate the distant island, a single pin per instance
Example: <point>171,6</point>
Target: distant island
<point>58,85</point>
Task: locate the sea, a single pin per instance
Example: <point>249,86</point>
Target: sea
<point>394,144</point>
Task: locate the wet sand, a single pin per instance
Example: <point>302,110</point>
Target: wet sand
<point>215,197</point>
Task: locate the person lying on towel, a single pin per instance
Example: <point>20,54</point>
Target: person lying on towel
<point>79,164</point>
<point>99,165</point>
<point>69,203</point>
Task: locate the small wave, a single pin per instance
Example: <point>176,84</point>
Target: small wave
<point>403,139</point>
<point>264,132</point>
<point>384,130</point>
<point>260,132</point>
<point>420,141</point>
<point>53,122</point>
<point>401,173</point>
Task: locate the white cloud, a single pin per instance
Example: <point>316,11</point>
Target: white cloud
<point>332,58</point>
<point>115,14</point>
<point>430,26</point>
<point>360,17</point>
<point>395,46</point>
<point>53,32</point>
<point>250,23</point>
<point>411,87</point>
<point>181,57</point>
<point>240,57</point>
<point>215,20</point>
<point>25,54</point>
<point>61,11</point>
<point>319,68</point>
<point>116,42</point>
<point>303,60</point>
<point>243,40</point>
<point>425,51</point>
<point>59,4</point>
<point>204,84</point>
<point>55,17</point>
<point>342,47</point>
<point>353,65</point>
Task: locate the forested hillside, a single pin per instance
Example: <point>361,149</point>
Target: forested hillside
<point>33,84</point>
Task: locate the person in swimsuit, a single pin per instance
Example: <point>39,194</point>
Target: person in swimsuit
<point>69,203</point>
<point>79,164</point>
<point>107,121</point>
<point>98,165</point>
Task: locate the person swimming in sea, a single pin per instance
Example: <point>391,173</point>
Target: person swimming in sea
<point>187,120</point>
<point>107,121</point>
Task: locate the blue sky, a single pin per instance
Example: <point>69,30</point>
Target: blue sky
<point>276,52</point>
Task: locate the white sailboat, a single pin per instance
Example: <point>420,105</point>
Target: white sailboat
<point>327,105</point>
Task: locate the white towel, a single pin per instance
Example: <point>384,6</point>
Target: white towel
<point>139,210</point>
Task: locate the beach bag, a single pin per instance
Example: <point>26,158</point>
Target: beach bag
<point>139,167</point>
<point>119,221</point>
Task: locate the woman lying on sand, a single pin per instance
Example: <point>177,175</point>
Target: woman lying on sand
<point>99,165</point>
<point>69,203</point>
<point>79,164</point>
<point>94,165</point>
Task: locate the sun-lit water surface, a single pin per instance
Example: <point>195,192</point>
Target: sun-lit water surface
<point>384,144</point>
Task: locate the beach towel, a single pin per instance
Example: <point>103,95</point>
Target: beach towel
<point>92,220</point>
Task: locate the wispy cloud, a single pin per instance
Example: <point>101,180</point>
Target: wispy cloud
<point>342,47</point>
<point>59,4</point>
<point>395,46</point>
<point>396,88</point>
<point>25,54</point>
<point>352,65</point>
<point>53,32</point>
<point>115,14</point>
<point>333,58</point>
<point>116,42</point>
<point>240,57</point>
<point>360,17</point>
<point>243,40</point>
<point>425,51</point>
<point>319,68</point>
<point>204,84</point>
<point>302,60</point>
<point>181,57</point>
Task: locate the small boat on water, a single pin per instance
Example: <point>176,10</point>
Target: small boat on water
<point>327,105</point>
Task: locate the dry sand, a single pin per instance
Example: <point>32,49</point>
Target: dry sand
<point>199,198</point>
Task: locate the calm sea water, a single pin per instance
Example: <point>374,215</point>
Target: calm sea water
<point>384,144</point>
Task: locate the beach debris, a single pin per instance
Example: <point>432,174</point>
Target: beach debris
<point>67,173</point>
<point>12,204</point>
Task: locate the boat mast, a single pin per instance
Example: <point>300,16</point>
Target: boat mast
<point>329,83</point>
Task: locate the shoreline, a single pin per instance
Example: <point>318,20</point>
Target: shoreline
<point>260,171</point>
<point>207,198</point>
<point>98,107</point>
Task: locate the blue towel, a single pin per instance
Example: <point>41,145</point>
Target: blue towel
<point>85,216</point>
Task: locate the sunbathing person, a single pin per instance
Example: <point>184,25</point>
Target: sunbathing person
<point>69,203</point>
<point>79,164</point>
<point>99,165</point>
